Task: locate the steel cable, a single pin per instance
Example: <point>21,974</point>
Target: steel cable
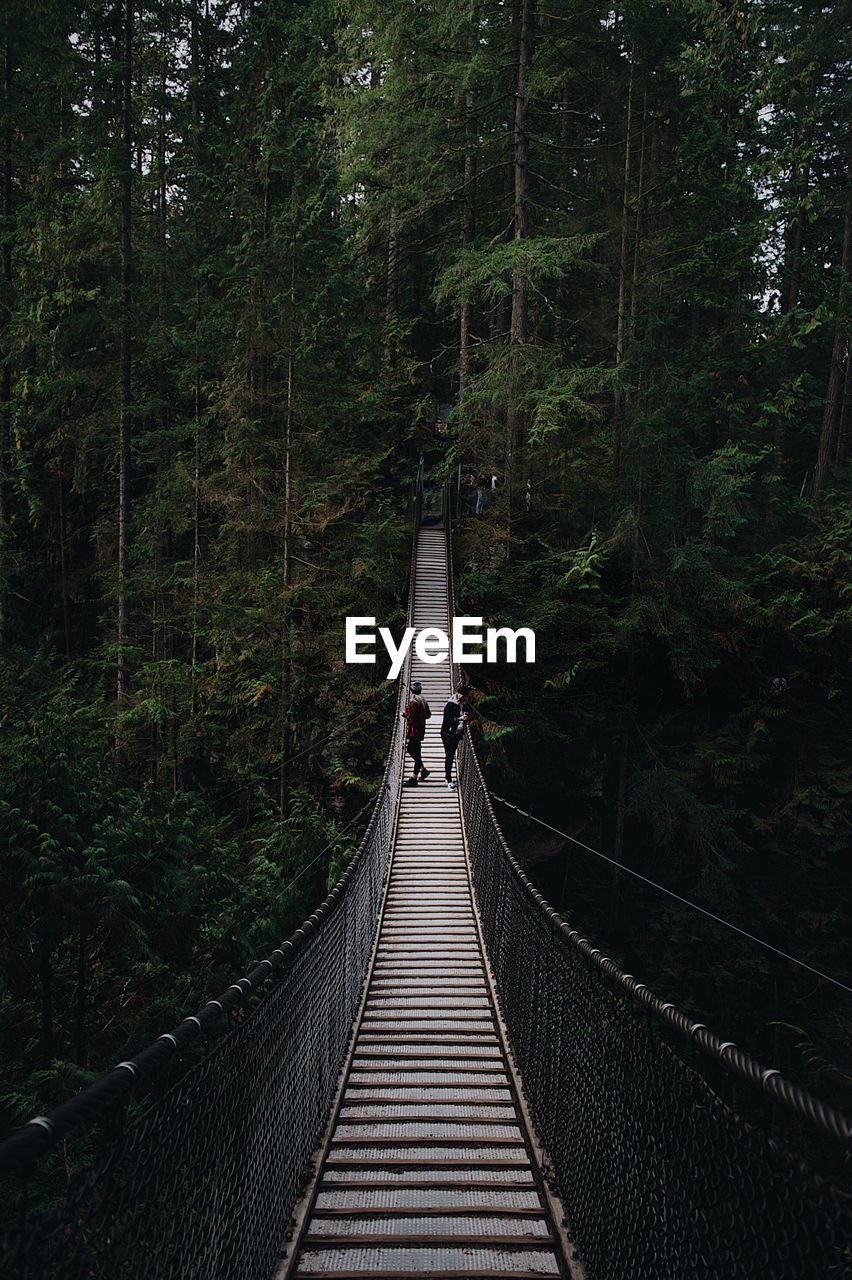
<point>694,906</point>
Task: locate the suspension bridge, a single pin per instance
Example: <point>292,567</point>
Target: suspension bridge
<point>434,1076</point>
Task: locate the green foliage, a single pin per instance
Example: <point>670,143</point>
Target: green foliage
<point>152,850</point>
<point>323,196</point>
<point>488,271</point>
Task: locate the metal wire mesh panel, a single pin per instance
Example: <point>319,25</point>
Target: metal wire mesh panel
<point>658,1175</point>
<point>201,1183</point>
<point>204,1182</point>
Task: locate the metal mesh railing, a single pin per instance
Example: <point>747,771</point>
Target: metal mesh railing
<point>203,1182</point>
<point>196,1177</point>
<point>660,1176</point>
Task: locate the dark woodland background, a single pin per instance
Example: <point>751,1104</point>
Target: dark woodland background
<point>250,253</point>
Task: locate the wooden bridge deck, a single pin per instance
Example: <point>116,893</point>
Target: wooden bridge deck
<point>429,1169</point>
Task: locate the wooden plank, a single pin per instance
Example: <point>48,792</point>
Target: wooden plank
<point>428,1171</point>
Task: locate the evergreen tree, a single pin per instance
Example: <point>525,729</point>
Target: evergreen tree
<point>249,256</point>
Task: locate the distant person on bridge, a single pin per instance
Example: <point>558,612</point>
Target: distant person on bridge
<point>416,714</point>
<point>457,715</point>
<point>468,495</point>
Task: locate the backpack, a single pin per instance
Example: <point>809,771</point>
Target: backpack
<point>417,713</point>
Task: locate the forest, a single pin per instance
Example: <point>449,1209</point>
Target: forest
<point>258,258</point>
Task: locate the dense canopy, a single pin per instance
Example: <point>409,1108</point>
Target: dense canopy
<point>257,258</point>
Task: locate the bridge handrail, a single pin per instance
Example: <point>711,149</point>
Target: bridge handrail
<point>35,1138</point>
<point>674,1160</point>
<point>693,1035</point>
<point>831,1122</point>
<point>41,1133</point>
<point>36,1240</point>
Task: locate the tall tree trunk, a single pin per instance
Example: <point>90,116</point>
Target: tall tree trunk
<point>519,324</point>
<point>832,413</point>
<point>161,537</point>
<point>637,239</point>
<point>618,407</point>
<point>122,682</point>
<point>518,332</point>
<point>565,159</point>
<point>195,126</point>
<point>637,224</point>
<point>468,233</point>
<point>793,240</point>
<point>391,288</point>
<point>196,513</point>
<point>286,674</point>
<point>6,379</point>
<point>793,247</point>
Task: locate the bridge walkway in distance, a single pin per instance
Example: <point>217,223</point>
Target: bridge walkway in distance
<point>429,1167</point>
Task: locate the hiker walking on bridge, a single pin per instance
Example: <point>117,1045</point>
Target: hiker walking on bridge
<point>457,715</point>
<point>416,714</point>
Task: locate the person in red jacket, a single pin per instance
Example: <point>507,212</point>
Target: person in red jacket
<point>416,714</point>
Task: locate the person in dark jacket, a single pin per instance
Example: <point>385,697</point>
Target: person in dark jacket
<point>416,714</point>
<point>457,714</point>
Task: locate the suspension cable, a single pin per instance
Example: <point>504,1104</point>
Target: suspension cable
<point>332,842</point>
<point>238,924</point>
<point>694,906</point>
